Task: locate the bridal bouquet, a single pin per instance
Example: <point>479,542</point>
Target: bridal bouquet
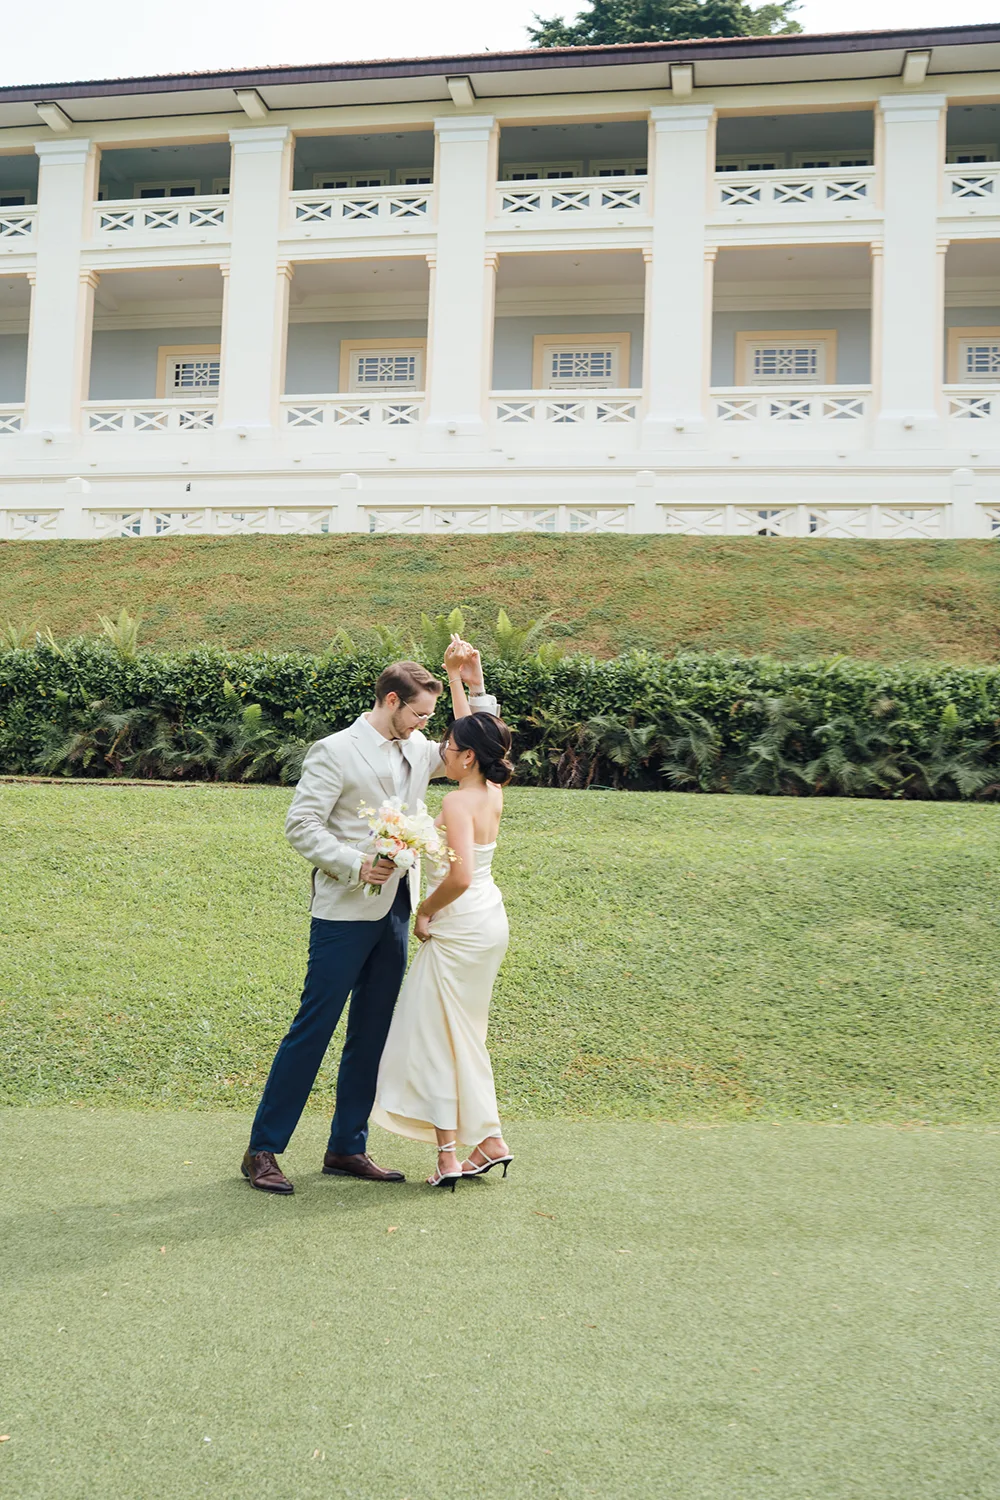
<point>403,837</point>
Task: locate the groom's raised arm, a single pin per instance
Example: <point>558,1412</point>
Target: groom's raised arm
<point>316,795</point>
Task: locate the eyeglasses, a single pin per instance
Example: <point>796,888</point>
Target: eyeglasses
<point>413,711</point>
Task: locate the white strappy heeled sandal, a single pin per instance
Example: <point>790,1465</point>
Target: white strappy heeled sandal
<point>445,1179</point>
<point>478,1169</point>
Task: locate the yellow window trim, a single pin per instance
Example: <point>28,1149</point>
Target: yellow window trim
<point>828,336</point>
<point>543,341</point>
<point>166,352</point>
<point>955,337</point>
<point>350,347</point>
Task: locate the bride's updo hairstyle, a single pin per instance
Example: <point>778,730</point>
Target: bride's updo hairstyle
<point>489,739</point>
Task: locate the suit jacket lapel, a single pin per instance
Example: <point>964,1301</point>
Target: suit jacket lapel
<point>381,772</point>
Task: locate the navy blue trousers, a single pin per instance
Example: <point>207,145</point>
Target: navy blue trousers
<point>365,960</point>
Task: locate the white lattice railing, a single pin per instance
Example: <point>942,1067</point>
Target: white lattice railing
<point>574,197</point>
<point>973,403</point>
<point>150,416</point>
<point>353,411</point>
<point>44,520</point>
<point>497,518</point>
<point>17,225</point>
<point>213,521</point>
<point>157,218</point>
<point>843,522</point>
<point>737,406</point>
<point>11,418</point>
<point>346,211</point>
<point>827,190</point>
<point>972,189</point>
<point>544,411</point>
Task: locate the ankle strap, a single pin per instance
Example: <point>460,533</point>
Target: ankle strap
<point>448,1146</point>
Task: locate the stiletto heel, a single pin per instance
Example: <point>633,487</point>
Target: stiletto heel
<point>445,1179</point>
<point>479,1169</point>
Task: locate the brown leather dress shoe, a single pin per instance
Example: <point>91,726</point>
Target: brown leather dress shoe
<point>361,1165</point>
<point>262,1172</point>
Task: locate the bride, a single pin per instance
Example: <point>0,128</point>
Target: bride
<point>435,1082</point>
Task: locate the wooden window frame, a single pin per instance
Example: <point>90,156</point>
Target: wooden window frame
<point>575,167</point>
<point>955,337</point>
<point>350,347</point>
<point>746,338</point>
<point>989,148</point>
<point>750,161</point>
<point>194,183</point>
<point>632,165</point>
<point>622,342</point>
<point>352,185</point>
<point>168,352</point>
<point>838,159</point>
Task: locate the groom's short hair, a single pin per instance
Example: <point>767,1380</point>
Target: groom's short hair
<point>406,679</point>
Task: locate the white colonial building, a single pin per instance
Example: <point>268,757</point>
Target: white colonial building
<point>722,287</point>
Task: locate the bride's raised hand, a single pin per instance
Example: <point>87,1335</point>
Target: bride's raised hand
<point>455,656</point>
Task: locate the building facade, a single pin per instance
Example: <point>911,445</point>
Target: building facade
<point>716,288</point>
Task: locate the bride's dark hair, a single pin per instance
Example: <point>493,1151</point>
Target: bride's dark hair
<point>489,739</point>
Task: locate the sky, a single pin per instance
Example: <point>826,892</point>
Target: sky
<point>55,41</point>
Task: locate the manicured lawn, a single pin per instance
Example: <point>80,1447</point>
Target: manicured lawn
<point>680,957</point>
<point>876,600</point>
<point>638,1312</point>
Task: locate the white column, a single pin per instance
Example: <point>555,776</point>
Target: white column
<point>256,302</point>
<point>910,302</point>
<point>678,282</point>
<point>460,322</point>
<point>62,298</point>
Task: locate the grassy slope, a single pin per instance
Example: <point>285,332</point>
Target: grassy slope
<point>882,600</point>
<point>638,1311</point>
<point>695,958</point>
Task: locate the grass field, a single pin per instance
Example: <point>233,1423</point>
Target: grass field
<point>639,1312</point>
<point>875,600</point>
<point>680,957</point>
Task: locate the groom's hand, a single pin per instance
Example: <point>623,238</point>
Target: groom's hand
<point>377,873</point>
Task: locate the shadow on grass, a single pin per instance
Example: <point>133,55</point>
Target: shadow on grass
<point>85,1236</point>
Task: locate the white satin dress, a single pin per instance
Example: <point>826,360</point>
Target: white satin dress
<point>435,1070</point>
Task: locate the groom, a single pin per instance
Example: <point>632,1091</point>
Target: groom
<point>357,943</point>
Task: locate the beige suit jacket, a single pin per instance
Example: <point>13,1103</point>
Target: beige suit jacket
<point>324,826</point>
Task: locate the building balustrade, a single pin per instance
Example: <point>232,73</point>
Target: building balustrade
<point>383,210</point>
<point>815,406</point>
<point>972,190</point>
<point>346,412</point>
<point>542,413</point>
<point>591,200</point>
<point>171,415</point>
<point>154,219</point>
<point>919,521</point>
<point>11,418</point>
<point>17,228</point>
<point>828,192</point>
<point>970,403</point>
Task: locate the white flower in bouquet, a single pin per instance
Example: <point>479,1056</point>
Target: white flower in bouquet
<point>402,837</point>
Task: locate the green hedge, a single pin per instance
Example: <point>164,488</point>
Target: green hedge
<point>703,722</point>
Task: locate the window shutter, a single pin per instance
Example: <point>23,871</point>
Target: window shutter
<point>193,372</point>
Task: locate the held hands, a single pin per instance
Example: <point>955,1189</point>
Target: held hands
<point>463,659</point>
